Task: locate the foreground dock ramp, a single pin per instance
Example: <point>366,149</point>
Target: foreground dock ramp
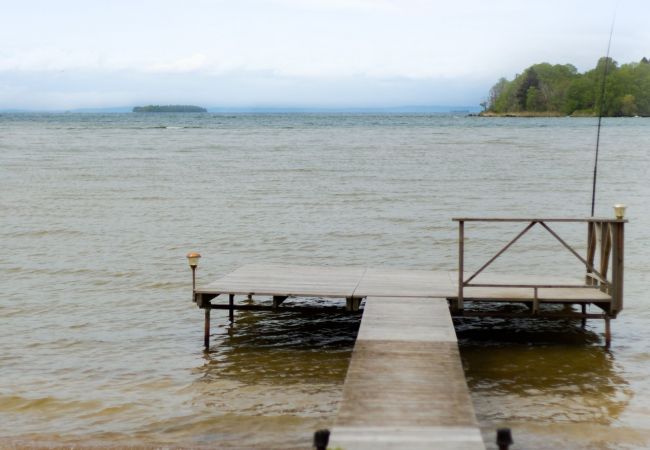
<point>405,387</point>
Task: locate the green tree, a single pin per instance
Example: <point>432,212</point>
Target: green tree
<point>534,99</point>
<point>528,80</point>
<point>628,105</point>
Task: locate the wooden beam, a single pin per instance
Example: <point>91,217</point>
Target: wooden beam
<point>530,285</point>
<point>301,309</point>
<point>537,219</point>
<point>529,315</point>
<point>203,299</point>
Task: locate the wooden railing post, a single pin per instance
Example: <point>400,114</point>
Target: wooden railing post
<point>591,250</point>
<point>616,290</point>
<point>605,250</point>
<point>461,276</point>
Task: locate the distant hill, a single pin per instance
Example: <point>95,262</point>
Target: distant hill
<point>169,109</point>
<point>414,109</point>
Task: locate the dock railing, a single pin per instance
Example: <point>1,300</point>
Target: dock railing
<point>605,237</point>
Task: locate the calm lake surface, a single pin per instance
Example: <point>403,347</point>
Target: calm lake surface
<point>100,344</point>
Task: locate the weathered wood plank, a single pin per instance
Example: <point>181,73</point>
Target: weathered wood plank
<point>408,437</point>
<point>388,282</point>
<point>544,294</point>
<point>287,280</point>
<point>412,319</point>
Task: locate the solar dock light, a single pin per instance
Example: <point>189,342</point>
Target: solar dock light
<point>193,260</point>
<point>619,210</point>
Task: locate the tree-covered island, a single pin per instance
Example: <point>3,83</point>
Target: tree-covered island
<point>169,108</point>
<point>554,90</point>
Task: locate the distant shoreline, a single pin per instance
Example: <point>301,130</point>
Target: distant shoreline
<point>525,114</point>
<point>530,114</point>
<point>169,109</point>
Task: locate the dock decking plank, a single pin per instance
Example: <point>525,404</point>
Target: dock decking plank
<point>262,279</point>
<point>388,282</point>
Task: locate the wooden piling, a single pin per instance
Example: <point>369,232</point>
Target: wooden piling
<point>461,264</point>
<point>206,329</point>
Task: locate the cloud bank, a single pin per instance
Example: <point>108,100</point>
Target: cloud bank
<point>290,52</point>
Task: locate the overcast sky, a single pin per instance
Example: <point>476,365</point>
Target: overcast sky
<point>325,53</point>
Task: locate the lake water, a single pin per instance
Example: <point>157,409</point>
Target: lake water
<point>100,344</point>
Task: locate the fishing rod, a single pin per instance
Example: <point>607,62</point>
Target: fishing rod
<point>600,112</point>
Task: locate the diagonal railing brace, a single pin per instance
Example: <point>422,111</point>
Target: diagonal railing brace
<point>508,245</point>
<point>576,254</point>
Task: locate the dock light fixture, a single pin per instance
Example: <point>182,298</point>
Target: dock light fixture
<point>619,210</point>
<point>193,260</point>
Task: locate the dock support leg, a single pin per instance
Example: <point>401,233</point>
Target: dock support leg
<point>231,303</point>
<point>206,329</point>
<point>583,323</point>
<point>352,304</point>
<point>461,268</point>
<point>608,333</point>
<point>277,301</point>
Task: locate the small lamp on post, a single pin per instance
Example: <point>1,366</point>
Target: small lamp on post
<point>193,260</point>
<point>619,210</point>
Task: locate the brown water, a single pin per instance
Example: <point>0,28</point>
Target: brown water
<point>101,345</point>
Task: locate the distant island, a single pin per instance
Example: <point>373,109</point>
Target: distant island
<point>559,90</point>
<point>169,109</point>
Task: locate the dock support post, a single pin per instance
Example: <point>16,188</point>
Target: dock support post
<point>321,439</point>
<point>504,438</point>
<point>617,267</point>
<point>277,301</point>
<point>608,333</point>
<point>206,330</point>
<point>461,250</point>
<point>583,322</point>
<point>231,303</point>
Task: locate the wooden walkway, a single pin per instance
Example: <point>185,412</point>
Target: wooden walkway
<point>405,387</point>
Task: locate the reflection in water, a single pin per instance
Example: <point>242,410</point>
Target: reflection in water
<point>540,372</point>
<point>285,369</point>
<point>284,346</point>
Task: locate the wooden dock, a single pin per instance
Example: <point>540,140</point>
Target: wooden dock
<point>405,387</point>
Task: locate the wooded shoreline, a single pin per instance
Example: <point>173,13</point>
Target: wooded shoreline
<point>544,90</point>
<point>532,114</point>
